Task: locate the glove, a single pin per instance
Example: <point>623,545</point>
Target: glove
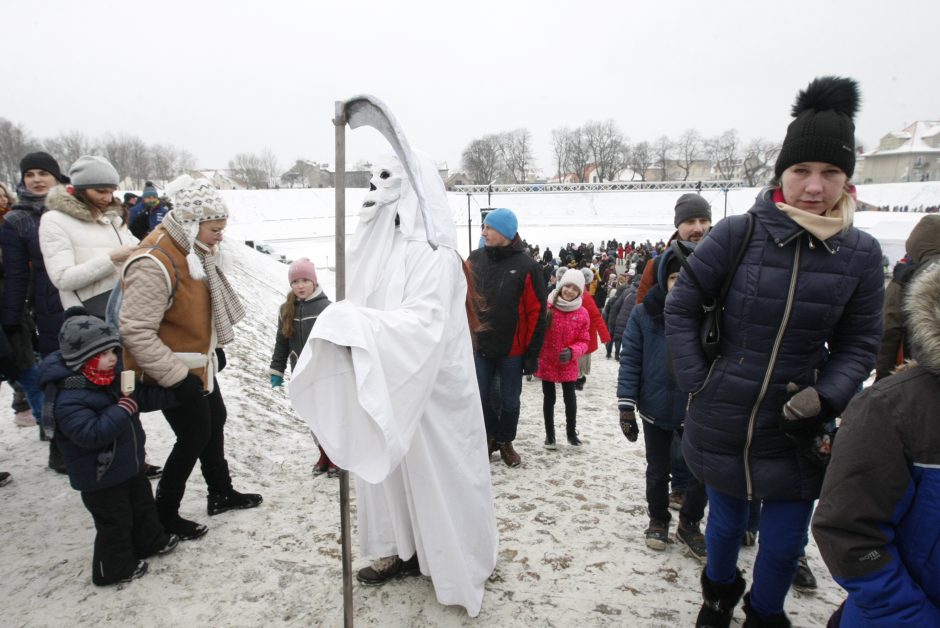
<point>628,425</point>
<point>277,381</point>
<point>220,358</point>
<point>564,356</point>
<point>801,413</point>
<point>188,390</point>
<point>128,404</point>
<point>530,365</point>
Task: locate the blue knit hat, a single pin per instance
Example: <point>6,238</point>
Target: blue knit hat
<point>149,190</point>
<point>504,221</point>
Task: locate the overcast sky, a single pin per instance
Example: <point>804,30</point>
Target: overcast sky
<point>218,78</point>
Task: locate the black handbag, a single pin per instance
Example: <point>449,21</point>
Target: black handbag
<point>97,305</point>
<point>712,307</point>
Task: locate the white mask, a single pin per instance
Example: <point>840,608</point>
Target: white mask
<point>384,188</point>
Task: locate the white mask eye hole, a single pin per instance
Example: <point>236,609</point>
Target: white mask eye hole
<point>385,174</point>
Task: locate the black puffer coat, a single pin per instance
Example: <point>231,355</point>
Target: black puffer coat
<point>305,316</point>
<point>799,310</point>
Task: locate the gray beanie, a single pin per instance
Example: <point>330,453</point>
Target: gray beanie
<point>82,337</point>
<point>691,205</point>
<point>91,171</point>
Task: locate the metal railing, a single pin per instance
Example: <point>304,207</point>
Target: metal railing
<point>610,186</point>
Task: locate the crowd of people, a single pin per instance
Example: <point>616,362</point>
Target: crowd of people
<point>743,349</point>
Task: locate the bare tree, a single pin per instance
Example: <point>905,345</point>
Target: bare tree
<point>579,153</point>
<point>608,148</point>
<point>662,156</point>
<point>68,147</point>
<point>515,151</point>
<point>15,143</point>
<point>270,166</point>
<point>162,158</point>
<point>481,160</point>
<point>688,151</point>
<point>117,149</point>
<point>759,157</point>
<point>641,158</point>
<point>139,162</point>
<point>249,169</point>
<point>561,139</point>
<point>183,161</point>
<point>722,151</point>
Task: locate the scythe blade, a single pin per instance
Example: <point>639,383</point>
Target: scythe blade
<point>365,110</point>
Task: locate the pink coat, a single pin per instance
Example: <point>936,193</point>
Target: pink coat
<point>568,329</point>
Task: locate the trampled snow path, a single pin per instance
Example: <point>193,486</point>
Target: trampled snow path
<point>571,525</point>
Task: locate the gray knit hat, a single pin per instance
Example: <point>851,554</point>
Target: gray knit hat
<point>691,205</point>
<point>82,337</point>
<point>91,171</point>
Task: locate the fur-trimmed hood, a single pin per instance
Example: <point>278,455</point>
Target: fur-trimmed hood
<point>922,307</point>
<point>59,199</point>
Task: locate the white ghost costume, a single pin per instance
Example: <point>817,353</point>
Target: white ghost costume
<point>388,386</point>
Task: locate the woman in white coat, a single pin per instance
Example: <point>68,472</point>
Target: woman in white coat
<point>83,237</point>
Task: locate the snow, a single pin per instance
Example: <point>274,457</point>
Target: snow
<point>570,521</point>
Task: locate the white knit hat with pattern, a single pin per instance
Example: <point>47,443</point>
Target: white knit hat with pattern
<point>195,200</point>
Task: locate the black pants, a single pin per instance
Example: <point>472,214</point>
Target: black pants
<point>548,402</point>
<point>128,528</point>
<point>658,469</point>
<point>199,436</point>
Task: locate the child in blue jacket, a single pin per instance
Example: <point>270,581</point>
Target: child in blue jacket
<point>646,388</point>
<point>99,433</point>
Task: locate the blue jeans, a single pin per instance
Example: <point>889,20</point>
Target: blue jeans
<point>783,528</point>
<point>29,381</point>
<point>502,420</point>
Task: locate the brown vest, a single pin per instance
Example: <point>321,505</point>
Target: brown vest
<point>187,325</point>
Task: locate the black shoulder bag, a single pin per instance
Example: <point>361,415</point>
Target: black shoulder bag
<point>712,307</point>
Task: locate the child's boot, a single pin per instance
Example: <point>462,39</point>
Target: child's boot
<point>550,433</point>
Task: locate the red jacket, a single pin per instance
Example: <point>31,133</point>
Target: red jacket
<point>568,330</point>
<point>597,323</point>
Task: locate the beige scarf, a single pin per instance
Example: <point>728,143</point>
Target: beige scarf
<point>836,220</point>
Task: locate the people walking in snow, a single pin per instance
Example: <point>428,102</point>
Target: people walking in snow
<point>566,339</point>
<point>646,388</point>
<point>98,428</point>
<point>177,313</point>
<point>803,313</point>
<point>878,522</point>
<point>297,316</point>
<point>507,347</point>
<point>387,385</point>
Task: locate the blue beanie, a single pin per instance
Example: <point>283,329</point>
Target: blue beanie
<point>504,221</point>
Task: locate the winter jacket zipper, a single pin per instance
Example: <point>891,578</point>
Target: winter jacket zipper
<point>788,309</point>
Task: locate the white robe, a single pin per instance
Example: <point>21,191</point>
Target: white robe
<point>388,386</point>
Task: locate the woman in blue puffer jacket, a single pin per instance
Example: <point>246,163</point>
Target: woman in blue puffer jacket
<point>803,313</point>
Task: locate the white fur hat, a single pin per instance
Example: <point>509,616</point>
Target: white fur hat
<point>572,277</point>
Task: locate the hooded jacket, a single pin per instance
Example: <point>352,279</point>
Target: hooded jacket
<point>102,445</point>
<point>305,317</point>
<point>76,246</point>
<point>877,524</point>
<point>798,310</point>
<point>923,245</point>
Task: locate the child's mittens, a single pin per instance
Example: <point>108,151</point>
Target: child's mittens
<point>277,381</point>
<point>128,404</point>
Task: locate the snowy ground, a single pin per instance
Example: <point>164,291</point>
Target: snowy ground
<point>571,522</point>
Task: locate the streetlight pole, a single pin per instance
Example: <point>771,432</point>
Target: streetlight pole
<point>469,227</point>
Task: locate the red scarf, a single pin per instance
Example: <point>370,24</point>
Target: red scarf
<point>95,375</point>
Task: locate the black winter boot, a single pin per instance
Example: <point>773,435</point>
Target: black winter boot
<point>753,620</point>
<point>55,458</point>
<point>232,500</point>
<point>573,433</point>
<point>550,433</point>
<point>720,600</point>
<point>168,506</point>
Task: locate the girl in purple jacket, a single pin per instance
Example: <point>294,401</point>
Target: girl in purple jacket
<point>566,340</point>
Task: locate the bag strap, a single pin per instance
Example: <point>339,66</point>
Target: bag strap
<point>737,258</point>
<point>709,302</point>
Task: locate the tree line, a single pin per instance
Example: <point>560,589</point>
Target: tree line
<point>602,148</point>
<point>132,157</point>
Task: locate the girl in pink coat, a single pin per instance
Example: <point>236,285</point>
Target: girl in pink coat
<point>566,340</point>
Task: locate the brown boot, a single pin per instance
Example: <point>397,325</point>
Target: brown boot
<point>491,444</point>
<point>509,455</point>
